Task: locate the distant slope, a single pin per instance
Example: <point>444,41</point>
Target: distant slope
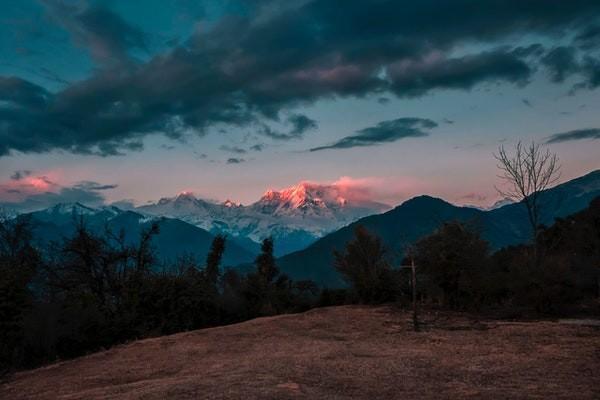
<point>420,216</point>
<point>175,239</point>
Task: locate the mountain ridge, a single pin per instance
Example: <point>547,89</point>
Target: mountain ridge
<point>176,238</point>
<point>421,215</point>
<point>295,216</point>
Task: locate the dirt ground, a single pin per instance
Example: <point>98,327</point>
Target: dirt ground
<point>348,352</point>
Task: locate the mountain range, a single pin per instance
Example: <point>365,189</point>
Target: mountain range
<point>295,217</point>
<point>176,238</point>
<point>314,219</point>
<point>421,215</point>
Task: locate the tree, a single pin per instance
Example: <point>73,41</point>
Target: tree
<point>213,259</point>
<point>265,262</point>
<point>453,260</point>
<point>364,265</point>
<point>19,261</point>
<point>527,172</point>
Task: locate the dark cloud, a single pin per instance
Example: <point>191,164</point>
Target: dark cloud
<point>383,100</point>
<point>20,174</point>
<point>234,160</point>
<point>20,93</point>
<point>257,147</point>
<point>383,132</point>
<point>448,121</point>
<point>577,134</point>
<point>589,38</point>
<point>527,103</point>
<point>233,149</point>
<point>299,125</point>
<point>93,186</point>
<point>419,77</point>
<point>561,62</point>
<point>104,33</point>
<point>591,71</point>
<point>263,61</point>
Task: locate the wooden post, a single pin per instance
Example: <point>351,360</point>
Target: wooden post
<point>414,295</point>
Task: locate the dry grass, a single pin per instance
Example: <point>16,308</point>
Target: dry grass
<point>336,353</point>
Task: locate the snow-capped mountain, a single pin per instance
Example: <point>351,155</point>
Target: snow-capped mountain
<point>294,217</point>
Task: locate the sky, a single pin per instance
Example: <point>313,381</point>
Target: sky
<point>126,102</point>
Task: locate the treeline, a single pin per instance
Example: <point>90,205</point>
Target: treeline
<point>92,291</point>
<point>456,268</point>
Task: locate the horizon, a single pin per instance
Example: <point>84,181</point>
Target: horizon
<point>116,103</point>
<point>499,203</point>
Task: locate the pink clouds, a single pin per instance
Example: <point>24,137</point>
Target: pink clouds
<point>28,192</point>
<point>22,185</point>
<point>384,189</point>
<point>391,191</point>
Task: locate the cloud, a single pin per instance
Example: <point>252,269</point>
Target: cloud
<point>257,147</point>
<point>234,160</point>
<point>418,77</point>
<point>589,38</point>
<point>233,149</point>
<point>18,175</point>
<point>300,124</point>
<point>527,103</point>
<point>384,190</point>
<point>265,60</point>
<point>591,71</point>
<point>93,186</point>
<point>34,192</point>
<point>383,100</point>
<point>561,62</point>
<point>384,132</point>
<point>577,134</point>
<point>101,31</point>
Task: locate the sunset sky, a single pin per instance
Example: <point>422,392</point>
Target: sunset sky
<point>110,101</point>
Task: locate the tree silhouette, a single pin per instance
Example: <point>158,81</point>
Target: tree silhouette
<point>213,259</point>
<point>528,171</point>
<point>265,262</point>
<point>19,261</point>
<point>364,265</point>
<point>453,259</point>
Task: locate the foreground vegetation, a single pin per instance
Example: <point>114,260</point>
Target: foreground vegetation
<point>92,291</point>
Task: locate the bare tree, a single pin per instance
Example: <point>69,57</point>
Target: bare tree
<point>528,171</point>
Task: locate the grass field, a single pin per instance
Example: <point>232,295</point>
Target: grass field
<point>342,352</point>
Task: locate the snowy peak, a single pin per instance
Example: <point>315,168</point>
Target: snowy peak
<point>310,198</point>
<point>231,204</point>
<point>295,214</point>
